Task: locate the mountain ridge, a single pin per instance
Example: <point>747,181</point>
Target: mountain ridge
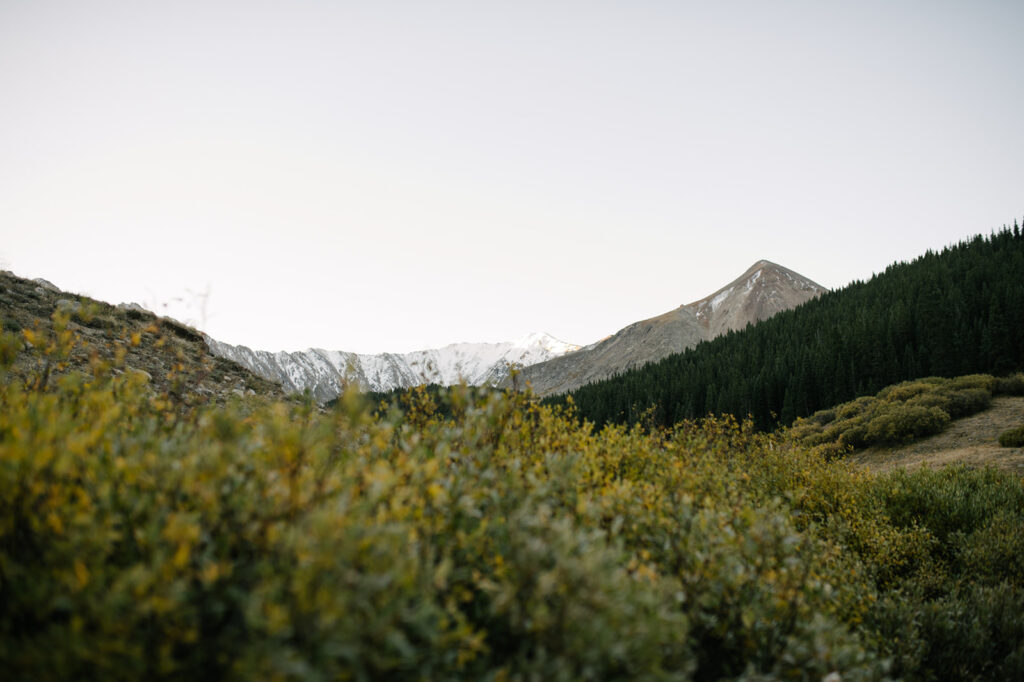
<point>326,373</point>
<point>764,289</point>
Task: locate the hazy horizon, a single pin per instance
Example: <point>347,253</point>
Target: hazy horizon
<point>394,176</point>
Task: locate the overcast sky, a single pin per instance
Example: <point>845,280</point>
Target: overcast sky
<point>390,176</point>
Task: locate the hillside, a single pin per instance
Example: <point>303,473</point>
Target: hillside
<point>762,291</point>
<point>972,441</point>
<point>173,357</point>
<point>959,311</point>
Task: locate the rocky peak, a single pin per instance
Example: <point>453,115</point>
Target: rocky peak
<point>762,291</point>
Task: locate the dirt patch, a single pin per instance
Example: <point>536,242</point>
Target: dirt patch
<point>973,441</point>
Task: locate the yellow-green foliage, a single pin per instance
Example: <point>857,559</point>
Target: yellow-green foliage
<point>143,539</point>
<point>902,412</point>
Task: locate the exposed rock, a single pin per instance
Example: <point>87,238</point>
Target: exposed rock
<point>47,285</point>
<point>68,305</point>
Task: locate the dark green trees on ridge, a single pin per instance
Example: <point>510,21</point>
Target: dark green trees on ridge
<point>955,312</point>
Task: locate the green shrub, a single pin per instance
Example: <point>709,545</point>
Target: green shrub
<point>905,391</point>
<point>974,633</point>
<point>1011,385</point>
<point>854,435</point>
<point>496,540</point>
<point>993,552</point>
<point>898,413</point>
<point>904,423</point>
<point>823,417</point>
<point>984,382</point>
<point>1012,438</point>
<point>857,407</point>
<point>968,401</point>
<point>935,399</point>
<point>952,500</point>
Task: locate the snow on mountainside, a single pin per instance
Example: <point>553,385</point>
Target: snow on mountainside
<point>549,365</point>
<point>326,373</point>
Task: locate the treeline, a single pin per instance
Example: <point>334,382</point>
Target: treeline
<point>958,311</point>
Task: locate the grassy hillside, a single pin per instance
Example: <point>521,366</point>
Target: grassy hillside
<point>960,311</point>
<point>142,536</point>
<point>903,412</point>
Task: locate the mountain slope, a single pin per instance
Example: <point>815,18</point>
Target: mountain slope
<point>960,311</point>
<point>326,373</point>
<point>762,291</point>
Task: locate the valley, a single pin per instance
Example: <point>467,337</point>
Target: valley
<point>167,514</point>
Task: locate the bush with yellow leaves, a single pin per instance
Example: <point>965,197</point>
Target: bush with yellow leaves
<point>507,541</point>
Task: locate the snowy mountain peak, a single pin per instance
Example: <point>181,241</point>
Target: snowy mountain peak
<point>326,373</point>
<point>545,341</point>
<point>550,364</point>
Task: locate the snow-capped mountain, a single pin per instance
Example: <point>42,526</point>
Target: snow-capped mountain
<point>760,292</point>
<point>326,373</point>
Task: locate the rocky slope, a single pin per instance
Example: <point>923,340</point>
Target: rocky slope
<point>326,373</point>
<point>173,357</point>
<point>760,292</point>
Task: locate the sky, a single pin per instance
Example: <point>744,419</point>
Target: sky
<point>393,176</point>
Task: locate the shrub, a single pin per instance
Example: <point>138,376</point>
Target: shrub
<point>898,413</point>
<point>823,417</point>
<point>854,408</point>
<point>941,400</point>
<point>968,401</point>
<point>904,423</point>
<point>952,500</point>
<point>1011,385</point>
<point>140,537</point>
<point>905,391</point>
<point>974,633</point>
<point>854,435</point>
<point>1012,438</point>
<point>985,382</point>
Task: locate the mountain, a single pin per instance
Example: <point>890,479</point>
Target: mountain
<point>326,373</point>
<point>762,291</point>
<point>950,313</point>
